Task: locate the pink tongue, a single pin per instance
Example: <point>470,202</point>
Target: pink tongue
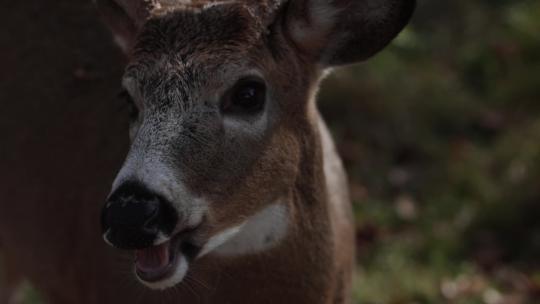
<point>153,259</point>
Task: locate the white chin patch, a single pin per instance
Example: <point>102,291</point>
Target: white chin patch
<point>180,272</point>
<point>260,232</point>
<point>219,239</point>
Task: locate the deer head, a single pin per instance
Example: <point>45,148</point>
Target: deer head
<point>223,119</point>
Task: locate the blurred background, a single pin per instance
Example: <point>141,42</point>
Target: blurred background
<point>440,135</point>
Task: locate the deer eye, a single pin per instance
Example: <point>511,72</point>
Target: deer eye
<point>247,97</point>
<point>130,104</point>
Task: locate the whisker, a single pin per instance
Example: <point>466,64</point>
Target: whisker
<point>192,290</point>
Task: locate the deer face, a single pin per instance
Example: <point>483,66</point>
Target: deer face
<point>221,103</point>
<point>210,148</point>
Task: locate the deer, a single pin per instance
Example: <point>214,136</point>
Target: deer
<point>230,160</point>
<point>232,190</point>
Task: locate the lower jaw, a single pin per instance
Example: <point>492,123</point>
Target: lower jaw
<point>154,277</point>
<point>174,272</point>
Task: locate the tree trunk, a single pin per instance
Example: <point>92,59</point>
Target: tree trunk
<point>63,136</point>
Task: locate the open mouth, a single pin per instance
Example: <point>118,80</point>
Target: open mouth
<point>164,265</point>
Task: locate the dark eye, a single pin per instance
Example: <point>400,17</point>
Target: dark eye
<point>130,104</point>
<point>247,97</point>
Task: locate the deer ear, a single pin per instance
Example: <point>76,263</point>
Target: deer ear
<point>338,32</point>
<point>124,18</point>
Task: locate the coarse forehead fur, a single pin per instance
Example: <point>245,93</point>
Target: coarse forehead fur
<point>160,6</point>
<point>141,10</point>
<point>211,33</point>
<point>223,32</point>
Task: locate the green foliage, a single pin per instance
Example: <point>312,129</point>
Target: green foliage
<point>29,295</point>
<point>440,134</point>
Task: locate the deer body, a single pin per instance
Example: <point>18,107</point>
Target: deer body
<point>232,190</point>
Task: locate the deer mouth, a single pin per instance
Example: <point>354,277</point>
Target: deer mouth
<point>164,265</point>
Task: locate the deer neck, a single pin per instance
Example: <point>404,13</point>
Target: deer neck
<point>303,255</point>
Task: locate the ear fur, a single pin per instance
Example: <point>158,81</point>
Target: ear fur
<point>338,32</point>
<point>124,18</point>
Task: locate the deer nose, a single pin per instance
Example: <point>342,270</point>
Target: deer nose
<point>135,217</point>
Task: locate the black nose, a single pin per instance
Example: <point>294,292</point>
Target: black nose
<point>134,217</point>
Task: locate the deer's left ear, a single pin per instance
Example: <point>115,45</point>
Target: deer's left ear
<point>124,18</point>
<point>338,32</point>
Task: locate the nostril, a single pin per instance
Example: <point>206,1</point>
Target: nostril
<point>135,217</point>
<point>133,213</point>
<point>131,224</point>
<point>153,218</point>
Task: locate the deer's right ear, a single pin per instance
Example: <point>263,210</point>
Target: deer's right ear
<point>124,18</point>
